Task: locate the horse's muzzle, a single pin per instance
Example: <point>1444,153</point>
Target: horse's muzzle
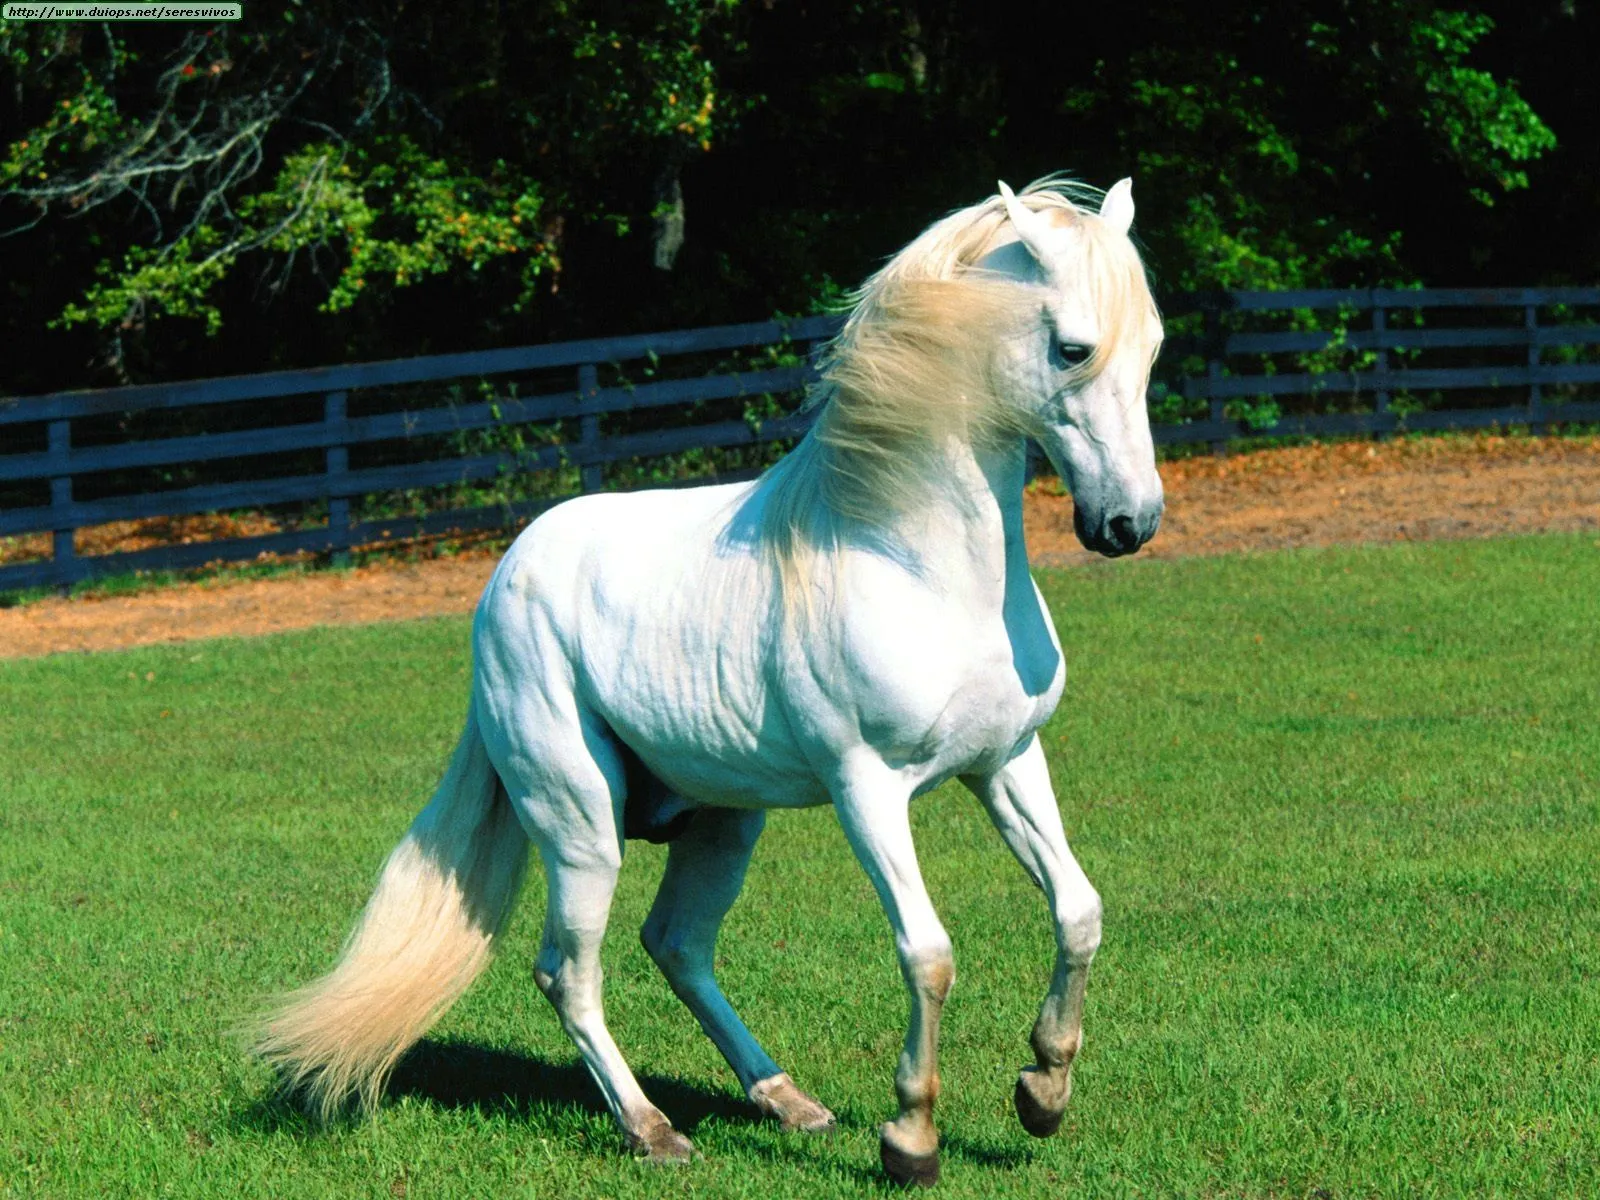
<point>1117,534</point>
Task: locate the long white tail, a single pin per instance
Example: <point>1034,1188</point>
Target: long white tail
<point>428,931</point>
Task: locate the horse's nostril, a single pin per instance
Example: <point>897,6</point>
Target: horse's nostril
<point>1123,533</point>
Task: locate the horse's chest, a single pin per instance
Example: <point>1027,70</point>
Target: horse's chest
<point>993,712</point>
<point>959,707</point>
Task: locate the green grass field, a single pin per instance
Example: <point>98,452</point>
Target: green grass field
<point>1343,808</point>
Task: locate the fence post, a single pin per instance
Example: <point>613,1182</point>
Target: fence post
<point>591,473</point>
<point>1380,402</point>
<point>338,465</point>
<point>1530,322</point>
<point>68,570</point>
<point>1216,349</point>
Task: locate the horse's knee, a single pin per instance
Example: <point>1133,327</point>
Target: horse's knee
<point>1078,923</point>
<point>931,972</point>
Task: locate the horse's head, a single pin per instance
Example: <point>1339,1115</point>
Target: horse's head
<point>1078,374</point>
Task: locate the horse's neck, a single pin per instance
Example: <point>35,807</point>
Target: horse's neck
<point>967,535</point>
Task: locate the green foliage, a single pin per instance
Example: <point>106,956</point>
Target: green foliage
<point>509,164</point>
<point>391,196</point>
<point>402,215</point>
<point>171,280</point>
<point>83,120</point>
<point>653,77</point>
<point>1228,121</point>
<point>1487,126</point>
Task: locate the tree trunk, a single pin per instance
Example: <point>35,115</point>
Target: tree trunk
<point>668,216</point>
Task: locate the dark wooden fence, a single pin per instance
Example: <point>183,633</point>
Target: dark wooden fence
<point>73,460</point>
<point>336,432</point>
<point>1408,360</point>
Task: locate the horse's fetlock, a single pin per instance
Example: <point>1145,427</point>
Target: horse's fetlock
<point>1054,1050</point>
<point>917,1092</point>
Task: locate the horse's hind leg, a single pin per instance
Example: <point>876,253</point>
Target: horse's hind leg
<point>568,973</point>
<point>565,779</point>
<point>705,870</point>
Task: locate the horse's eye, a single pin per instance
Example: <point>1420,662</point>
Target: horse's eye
<point>1070,354</point>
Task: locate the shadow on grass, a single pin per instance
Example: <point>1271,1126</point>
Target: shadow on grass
<point>952,1148</point>
<point>462,1075</point>
<point>458,1075</point>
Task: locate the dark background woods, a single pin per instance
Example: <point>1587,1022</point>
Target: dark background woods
<point>327,181</point>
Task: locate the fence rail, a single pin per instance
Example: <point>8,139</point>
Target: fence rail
<point>1224,379</point>
<point>38,450</point>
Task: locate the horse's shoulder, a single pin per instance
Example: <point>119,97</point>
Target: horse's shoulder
<point>888,609</point>
<point>900,647</point>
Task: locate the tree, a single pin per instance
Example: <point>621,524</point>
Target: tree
<point>327,179</point>
<point>368,148</point>
<point>1271,145</point>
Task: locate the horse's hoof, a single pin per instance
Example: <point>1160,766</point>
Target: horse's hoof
<point>661,1144</point>
<point>795,1111</point>
<point>1039,1111</point>
<point>906,1168</point>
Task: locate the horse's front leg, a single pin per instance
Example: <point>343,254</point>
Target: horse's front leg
<point>1022,805</point>
<point>875,813</point>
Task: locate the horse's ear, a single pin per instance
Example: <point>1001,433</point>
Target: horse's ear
<point>1032,228</point>
<point>1116,210</point>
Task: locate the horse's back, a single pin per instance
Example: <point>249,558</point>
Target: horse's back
<point>607,530</point>
<point>602,552</point>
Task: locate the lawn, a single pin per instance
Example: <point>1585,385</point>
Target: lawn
<point>1343,807</point>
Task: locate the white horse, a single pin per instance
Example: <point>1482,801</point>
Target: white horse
<point>854,628</point>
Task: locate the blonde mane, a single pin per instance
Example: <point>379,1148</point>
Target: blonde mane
<point>914,368</point>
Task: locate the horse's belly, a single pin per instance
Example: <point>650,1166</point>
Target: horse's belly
<point>657,810</point>
<point>708,726</point>
<point>739,782</point>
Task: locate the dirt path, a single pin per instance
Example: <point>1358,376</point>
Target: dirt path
<point>1320,495</point>
<point>1358,492</point>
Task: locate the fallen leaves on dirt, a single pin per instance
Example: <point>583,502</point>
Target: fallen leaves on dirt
<point>1354,492</point>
